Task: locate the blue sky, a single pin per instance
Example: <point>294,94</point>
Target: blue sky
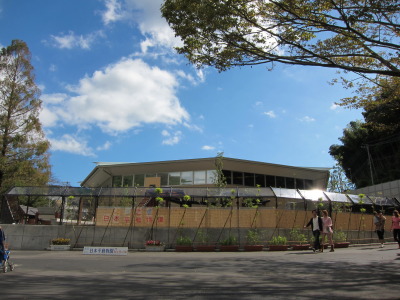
<point>114,90</point>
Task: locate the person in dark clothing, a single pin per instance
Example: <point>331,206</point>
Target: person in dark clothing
<point>2,245</point>
<point>316,227</point>
<point>2,238</point>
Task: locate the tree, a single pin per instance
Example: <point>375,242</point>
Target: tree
<point>370,150</point>
<point>352,35</point>
<point>24,158</point>
<point>338,182</point>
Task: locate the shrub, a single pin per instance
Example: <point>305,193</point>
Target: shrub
<point>230,240</point>
<point>184,241</point>
<point>60,241</point>
<point>278,240</point>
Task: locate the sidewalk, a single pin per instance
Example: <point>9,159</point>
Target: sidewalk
<point>363,272</point>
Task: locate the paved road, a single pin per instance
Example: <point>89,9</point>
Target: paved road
<point>355,273</point>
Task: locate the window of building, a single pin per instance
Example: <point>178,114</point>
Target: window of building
<point>260,180</point>
<point>174,178</point>
<point>300,184</point>
<point>237,178</point>
<point>199,177</point>
<point>211,176</point>
<point>308,184</point>
<point>128,181</point>
<point>280,182</point>
<point>139,180</point>
<point>116,181</point>
<point>289,183</point>
<point>270,181</point>
<point>228,176</point>
<point>164,178</point>
<point>187,177</point>
<point>249,179</point>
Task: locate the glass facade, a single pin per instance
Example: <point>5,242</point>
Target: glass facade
<point>187,177</point>
<point>139,180</point>
<point>208,177</point>
<point>128,181</point>
<point>199,177</point>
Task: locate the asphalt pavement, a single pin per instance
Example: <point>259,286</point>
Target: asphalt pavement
<point>364,272</point>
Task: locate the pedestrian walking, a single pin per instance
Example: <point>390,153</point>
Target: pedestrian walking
<point>316,227</point>
<point>379,221</point>
<point>327,229</point>
<point>396,226</point>
<point>2,239</point>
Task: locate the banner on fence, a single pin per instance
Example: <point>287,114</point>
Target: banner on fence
<point>105,250</point>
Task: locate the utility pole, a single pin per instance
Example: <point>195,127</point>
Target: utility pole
<point>369,162</point>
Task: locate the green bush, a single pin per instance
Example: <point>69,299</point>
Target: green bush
<point>230,240</point>
<point>340,236</point>
<point>253,237</point>
<point>60,241</point>
<point>297,237</point>
<point>184,241</point>
<point>278,240</point>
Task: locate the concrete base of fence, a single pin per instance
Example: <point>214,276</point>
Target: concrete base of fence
<point>38,237</point>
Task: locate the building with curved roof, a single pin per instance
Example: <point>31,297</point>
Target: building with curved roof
<point>202,173</point>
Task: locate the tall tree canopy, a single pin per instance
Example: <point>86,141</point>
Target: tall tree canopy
<point>24,158</point>
<point>351,35</point>
<point>370,150</point>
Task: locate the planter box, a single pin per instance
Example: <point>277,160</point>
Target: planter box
<point>205,248</point>
<point>301,247</point>
<point>229,248</point>
<point>278,247</point>
<point>183,248</point>
<point>253,247</point>
<point>60,247</point>
<point>154,248</point>
<point>342,244</point>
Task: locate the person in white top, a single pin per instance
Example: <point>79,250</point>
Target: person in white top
<point>327,229</point>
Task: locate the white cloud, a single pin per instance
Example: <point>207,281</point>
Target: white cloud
<point>270,114</point>
<point>53,98</point>
<point>123,96</point>
<point>105,146</point>
<point>52,68</point>
<point>113,13</point>
<point>152,25</point>
<point>207,148</point>
<point>71,144</point>
<point>70,40</point>
<point>172,139</point>
<point>334,106</point>
<point>307,119</point>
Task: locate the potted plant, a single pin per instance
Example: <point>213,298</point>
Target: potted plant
<point>278,243</point>
<point>340,239</point>
<point>60,244</point>
<point>299,239</point>
<point>204,243</point>
<point>229,244</point>
<point>253,241</point>
<point>184,244</point>
<point>154,246</point>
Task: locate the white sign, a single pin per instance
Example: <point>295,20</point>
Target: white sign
<point>105,250</point>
